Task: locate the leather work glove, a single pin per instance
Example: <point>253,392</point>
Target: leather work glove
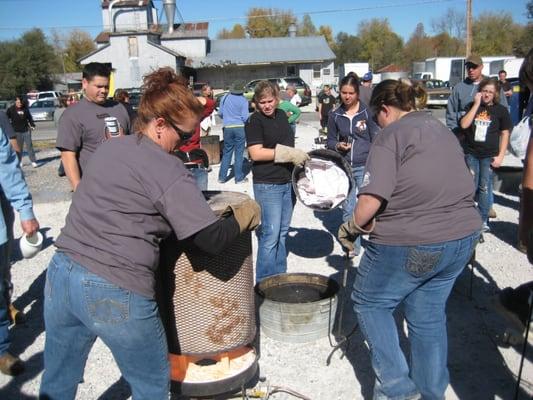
<point>349,231</point>
<point>247,214</point>
<point>286,154</point>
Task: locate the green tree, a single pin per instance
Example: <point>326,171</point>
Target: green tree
<point>347,48</point>
<point>446,46</point>
<point>418,47</point>
<point>494,34</point>
<point>268,22</point>
<point>325,30</point>
<point>306,27</point>
<point>380,46</point>
<point>27,63</point>
<point>237,32</point>
<point>79,43</point>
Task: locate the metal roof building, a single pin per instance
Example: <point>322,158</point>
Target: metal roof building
<point>265,51</point>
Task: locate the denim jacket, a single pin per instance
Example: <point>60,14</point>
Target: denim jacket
<point>360,131</point>
<point>13,185</point>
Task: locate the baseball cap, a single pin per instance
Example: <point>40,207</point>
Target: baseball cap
<point>474,59</point>
<point>367,76</point>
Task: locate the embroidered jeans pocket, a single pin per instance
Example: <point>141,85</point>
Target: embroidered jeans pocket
<point>421,261</point>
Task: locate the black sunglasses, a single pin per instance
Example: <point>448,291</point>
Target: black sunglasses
<point>184,136</point>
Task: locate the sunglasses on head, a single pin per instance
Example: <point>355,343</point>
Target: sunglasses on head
<point>184,136</point>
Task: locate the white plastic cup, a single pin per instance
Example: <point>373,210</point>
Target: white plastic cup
<point>31,245</point>
<point>111,124</point>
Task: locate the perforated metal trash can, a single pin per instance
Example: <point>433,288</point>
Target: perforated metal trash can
<point>207,302</point>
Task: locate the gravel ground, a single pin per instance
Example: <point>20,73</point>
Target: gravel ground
<point>482,365</point>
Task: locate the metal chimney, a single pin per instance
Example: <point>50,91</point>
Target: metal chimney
<point>170,11</point>
<point>292,30</point>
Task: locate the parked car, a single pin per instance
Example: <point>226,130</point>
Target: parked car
<point>5,104</point>
<point>438,92</point>
<point>303,88</point>
<point>43,110</point>
<point>33,96</point>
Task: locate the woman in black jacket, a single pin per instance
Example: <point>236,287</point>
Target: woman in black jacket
<point>23,124</point>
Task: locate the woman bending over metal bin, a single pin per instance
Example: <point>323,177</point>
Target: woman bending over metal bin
<point>100,282</point>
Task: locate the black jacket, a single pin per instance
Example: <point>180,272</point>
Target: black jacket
<point>20,118</point>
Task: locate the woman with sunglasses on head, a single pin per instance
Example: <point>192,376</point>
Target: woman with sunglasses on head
<point>417,204</point>
<point>351,131</point>
<point>100,282</point>
<point>487,125</point>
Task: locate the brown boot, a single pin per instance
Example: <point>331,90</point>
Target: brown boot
<point>11,365</point>
<point>15,316</point>
<point>492,213</point>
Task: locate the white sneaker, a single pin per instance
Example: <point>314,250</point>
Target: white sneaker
<point>34,164</point>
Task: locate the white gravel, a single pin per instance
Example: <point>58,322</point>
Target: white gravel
<point>481,365</point>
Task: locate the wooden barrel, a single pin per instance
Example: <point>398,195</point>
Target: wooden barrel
<point>211,145</point>
<point>207,302</point>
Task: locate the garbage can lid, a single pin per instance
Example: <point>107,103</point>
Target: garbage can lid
<point>324,181</point>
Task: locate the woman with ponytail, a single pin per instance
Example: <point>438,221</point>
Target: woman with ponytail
<point>417,203</point>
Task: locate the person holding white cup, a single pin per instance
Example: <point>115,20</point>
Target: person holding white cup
<point>487,125</point>
<point>16,192</point>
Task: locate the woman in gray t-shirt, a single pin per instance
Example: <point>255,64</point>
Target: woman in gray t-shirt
<point>416,201</point>
<point>100,282</point>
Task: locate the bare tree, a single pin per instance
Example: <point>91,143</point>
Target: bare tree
<point>453,23</point>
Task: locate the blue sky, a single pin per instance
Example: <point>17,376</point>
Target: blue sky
<point>17,16</point>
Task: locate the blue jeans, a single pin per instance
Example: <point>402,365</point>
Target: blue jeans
<point>351,201</point>
<point>200,176</point>
<point>4,298</point>
<point>234,141</point>
<point>482,172</point>
<point>422,278</point>
<point>80,306</point>
<point>277,203</point>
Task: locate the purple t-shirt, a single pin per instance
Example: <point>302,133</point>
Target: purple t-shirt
<point>417,165</point>
<point>82,128</point>
<point>131,196</point>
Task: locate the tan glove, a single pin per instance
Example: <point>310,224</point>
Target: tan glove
<point>247,214</point>
<point>349,231</point>
<point>286,154</point>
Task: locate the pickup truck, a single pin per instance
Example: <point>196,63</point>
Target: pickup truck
<point>437,90</point>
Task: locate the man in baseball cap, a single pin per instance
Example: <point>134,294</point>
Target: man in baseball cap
<point>365,90</point>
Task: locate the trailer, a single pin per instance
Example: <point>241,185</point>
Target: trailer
<point>511,66</point>
<point>434,68</point>
<point>458,73</point>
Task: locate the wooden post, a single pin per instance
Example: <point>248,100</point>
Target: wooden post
<point>468,27</point>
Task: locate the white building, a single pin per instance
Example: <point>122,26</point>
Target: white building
<point>134,43</point>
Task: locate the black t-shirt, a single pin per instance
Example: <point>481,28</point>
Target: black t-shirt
<point>270,131</point>
<point>327,104</point>
<point>494,119</point>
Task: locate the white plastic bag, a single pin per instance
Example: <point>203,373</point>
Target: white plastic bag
<point>520,138</point>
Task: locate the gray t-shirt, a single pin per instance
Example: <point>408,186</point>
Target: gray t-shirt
<point>417,165</point>
<point>82,128</point>
<point>131,196</point>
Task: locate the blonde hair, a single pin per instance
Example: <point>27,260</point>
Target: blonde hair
<point>402,94</point>
<point>166,95</point>
<point>265,88</point>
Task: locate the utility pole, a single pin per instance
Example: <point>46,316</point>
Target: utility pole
<point>468,27</point>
